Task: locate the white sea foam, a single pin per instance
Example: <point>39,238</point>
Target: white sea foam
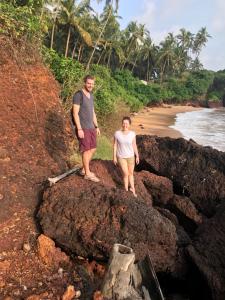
<point>206,127</point>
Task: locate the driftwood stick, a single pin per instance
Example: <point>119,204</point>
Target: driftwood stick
<point>53,180</point>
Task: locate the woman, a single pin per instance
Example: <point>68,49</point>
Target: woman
<point>125,153</point>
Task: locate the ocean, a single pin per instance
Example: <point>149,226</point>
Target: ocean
<point>205,126</point>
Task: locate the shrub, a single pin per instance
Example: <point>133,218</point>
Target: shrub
<point>19,22</point>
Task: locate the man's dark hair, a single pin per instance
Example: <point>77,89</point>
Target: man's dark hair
<point>127,118</point>
<point>88,77</point>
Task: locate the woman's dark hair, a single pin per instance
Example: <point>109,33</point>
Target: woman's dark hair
<point>127,118</point>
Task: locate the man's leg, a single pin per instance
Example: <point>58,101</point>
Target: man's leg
<point>86,158</point>
<point>86,161</point>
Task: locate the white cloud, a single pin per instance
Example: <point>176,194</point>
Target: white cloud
<point>159,35</point>
<point>149,13</point>
<point>218,21</point>
<point>170,8</point>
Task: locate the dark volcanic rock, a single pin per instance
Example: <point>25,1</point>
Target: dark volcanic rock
<point>186,212</point>
<point>88,218</point>
<point>161,188</point>
<point>208,253</point>
<point>111,176</point>
<point>197,172</point>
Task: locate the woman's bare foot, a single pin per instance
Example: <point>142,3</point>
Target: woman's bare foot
<point>134,193</point>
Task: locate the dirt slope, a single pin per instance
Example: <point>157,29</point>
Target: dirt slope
<point>33,140</point>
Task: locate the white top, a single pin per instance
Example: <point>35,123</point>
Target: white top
<point>124,143</point>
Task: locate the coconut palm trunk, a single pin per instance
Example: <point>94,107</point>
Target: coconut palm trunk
<point>98,39</point>
<point>52,36</point>
<point>68,41</point>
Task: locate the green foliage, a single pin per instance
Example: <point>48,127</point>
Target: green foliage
<point>144,94</point>
<point>104,149</point>
<point>178,90</point>
<point>67,71</point>
<point>19,22</point>
<point>217,89</point>
<point>199,82</point>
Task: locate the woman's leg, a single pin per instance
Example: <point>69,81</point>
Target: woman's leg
<point>124,167</point>
<point>131,176</point>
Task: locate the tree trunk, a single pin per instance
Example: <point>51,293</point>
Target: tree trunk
<point>74,49</point>
<point>147,75</point>
<point>100,35</point>
<point>54,24</point>
<point>162,72</point>
<point>68,41</point>
<point>109,57</point>
<point>79,52</point>
<point>100,57</point>
<point>52,35</point>
<point>134,63</point>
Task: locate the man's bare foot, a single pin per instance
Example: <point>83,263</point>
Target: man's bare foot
<point>82,173</point>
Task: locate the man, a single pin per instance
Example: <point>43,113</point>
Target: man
<point>86,125</point>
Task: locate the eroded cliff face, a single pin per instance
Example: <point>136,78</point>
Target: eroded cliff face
<point>33,139</point>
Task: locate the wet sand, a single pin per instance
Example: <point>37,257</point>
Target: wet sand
<point>156,120</point>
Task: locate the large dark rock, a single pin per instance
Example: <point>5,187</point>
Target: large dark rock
<point>161,188</point>
<point>88,218</point>
<point>186,212</point>
<point>197,172</point>
<point>208,253</point>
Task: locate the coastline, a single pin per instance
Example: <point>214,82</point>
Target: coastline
<point>156,120</point>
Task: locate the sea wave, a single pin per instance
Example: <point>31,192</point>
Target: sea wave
<point>205,126</point>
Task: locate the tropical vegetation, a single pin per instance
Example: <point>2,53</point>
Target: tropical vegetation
<point>75,40</point>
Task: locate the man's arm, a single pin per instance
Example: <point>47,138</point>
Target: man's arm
<point>76,109</point>
<point>96,122</point>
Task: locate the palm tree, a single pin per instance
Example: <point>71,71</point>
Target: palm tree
<point>148,53</point>
<point>53,8</point>
<point>70,14</point>
<point>200,40</point>
<point>110,5</point>
<point>166,58</point>
<point>135,35</point>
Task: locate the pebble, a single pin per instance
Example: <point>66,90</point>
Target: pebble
<point>78,294</point>
<point>60,272</point>
<point>26,247</point>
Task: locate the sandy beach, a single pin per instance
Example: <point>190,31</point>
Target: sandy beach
<point>156,120</point>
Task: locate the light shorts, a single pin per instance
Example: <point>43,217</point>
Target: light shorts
<point>126,161</point>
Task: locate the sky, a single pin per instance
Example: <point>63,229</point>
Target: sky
<point>163,16</point>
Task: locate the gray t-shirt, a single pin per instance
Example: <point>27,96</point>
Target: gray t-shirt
<point>86,109</point>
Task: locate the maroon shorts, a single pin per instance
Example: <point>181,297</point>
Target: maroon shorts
<point>89,140</point>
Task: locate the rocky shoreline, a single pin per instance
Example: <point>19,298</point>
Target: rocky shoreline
<point>181,195</point>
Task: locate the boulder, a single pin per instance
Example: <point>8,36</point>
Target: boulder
<point>186,212</point>
<point>208,253</point>
<point>197,172</point>
<point>88,218</point>
<point>160,188</point>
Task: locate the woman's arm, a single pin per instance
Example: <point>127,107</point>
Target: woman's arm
<point>134,144</point>
<point>114,151</point>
